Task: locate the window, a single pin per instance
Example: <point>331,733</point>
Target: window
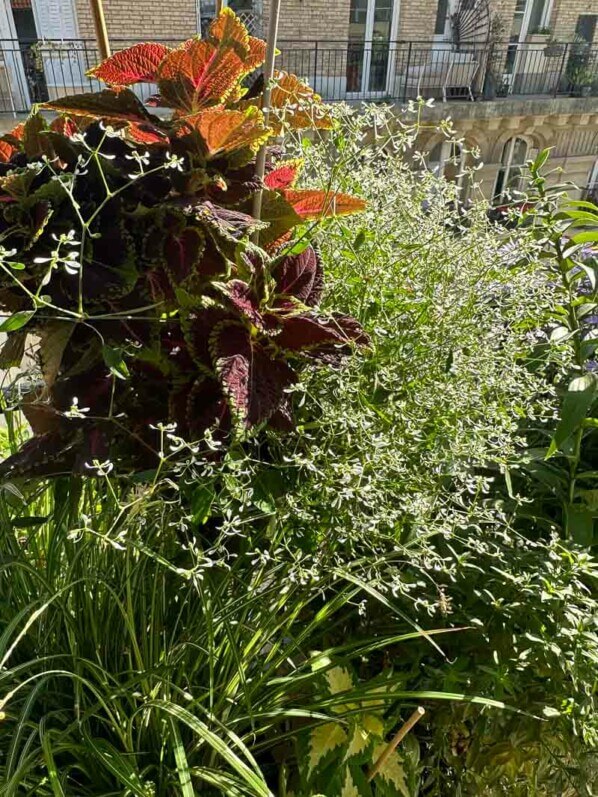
<point>510,174</point>
<point>537,17</point>
<point>586,27</point>
<point>442,15</point>
<point>445,160</point>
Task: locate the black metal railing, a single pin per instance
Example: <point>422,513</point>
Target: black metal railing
<point>35,71</point>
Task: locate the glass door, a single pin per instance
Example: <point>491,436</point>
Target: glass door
<point>369,57</point>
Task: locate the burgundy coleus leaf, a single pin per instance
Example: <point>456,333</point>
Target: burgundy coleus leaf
<point>137,64</point>
<point>111,105</point>
<point>253,380</point>
<point>326,339</point>
<point>197,328</point>
<point>301,276</point>
<point>241,299</point>
<point>207,408</point>
<point>182,252</point>
<point>232,225</point>
<point>50,454</point>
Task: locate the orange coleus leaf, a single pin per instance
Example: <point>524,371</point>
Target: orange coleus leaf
<point>198,74</point>
<point>112,105</point>
<point>284,175</point>
<point>225,131</point>
<point>227,30</point>
<point>146,133</point>
<point>6,151</point>
<point>18,132</point>
<point>297,105</point>
<point>316,204</point>
<point>137,64</point>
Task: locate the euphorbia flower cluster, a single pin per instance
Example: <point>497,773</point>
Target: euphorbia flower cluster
<point>128,252</point>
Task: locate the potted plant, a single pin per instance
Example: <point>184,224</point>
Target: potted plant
<point>582,82</point>
<point>539,35</point>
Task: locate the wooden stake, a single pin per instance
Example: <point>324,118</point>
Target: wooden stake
<point>218,7</point>
<point>260,163</point>
<point>99,19</point>
<point>397,739</point>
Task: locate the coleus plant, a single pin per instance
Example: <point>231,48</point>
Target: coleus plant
<point>129,251</point>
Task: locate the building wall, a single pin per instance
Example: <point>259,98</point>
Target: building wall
<point>565,14</point>
<point>138,20</point>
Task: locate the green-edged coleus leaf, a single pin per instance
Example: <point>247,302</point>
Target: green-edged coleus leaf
<point>326,743</point>
<point>183,252</point>
<point>300,276</point>
<point>392,779</point>
<point>241,300</point>
<point>252,379</point>
<point>197,327</point>
<point>355,783</point>
<point>325,339</point>
<point>280,216</point>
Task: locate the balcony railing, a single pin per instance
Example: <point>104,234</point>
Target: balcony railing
<point>35,71</point>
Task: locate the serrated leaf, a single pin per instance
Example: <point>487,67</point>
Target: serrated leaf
<point>392,778</point>
<point>224,131</point>
<point>324,740</point>
<point>284,175</point>
<point>312,204</point>
<point>109,104</point>
<point>182,253</point>
<point>339,679</point>
<point>321,338</point>
<point>227,30</point>
<point>301,276</point>
<point>35,143</point>
<point>6,151</point>
<point>16,320</point>
<point>137,64</point>
<point>253,381</point>
<point>197,75</point>
<point>146,133</point>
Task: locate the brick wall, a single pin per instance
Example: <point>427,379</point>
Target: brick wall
<point>565,14</point>
<point>141,19</point>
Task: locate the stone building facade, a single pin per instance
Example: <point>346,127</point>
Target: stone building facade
<point>368,50</point>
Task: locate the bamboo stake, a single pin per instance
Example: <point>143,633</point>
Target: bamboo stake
<point>99,20</point>
<point>396,740</point>
<point>260,163</point>
<point>218,7</point>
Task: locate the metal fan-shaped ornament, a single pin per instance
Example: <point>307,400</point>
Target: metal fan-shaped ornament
<point>471,23</point>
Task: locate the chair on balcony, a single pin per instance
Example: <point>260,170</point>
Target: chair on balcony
<point>442,71</point>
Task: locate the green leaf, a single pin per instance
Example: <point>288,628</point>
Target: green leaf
<point>580,524</point>
<point>326,741</point>
<point>541,159</point>
<point>16,320</point>
<point>27,522</point>
<point>576,404</point>
<point>586,237</point>
<point>113,357</point>
<point>182,765</point>
<point>51,765</point>
<point>201,504</point>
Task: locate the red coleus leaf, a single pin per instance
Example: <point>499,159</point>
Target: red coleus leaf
<point>6,151</point>
<point>183,252</point>
<point>137,64</point>
<point>300,276</point>
<point>110,104</point>
<point>146,133</point>
<point>252,380</point>
<point>314,204</point>
<point>225,131</point>
<point>64,125</point>
<point>284,175</point>
<point>197,75</point>
<point>227,30</point>
<point>325,339</point>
